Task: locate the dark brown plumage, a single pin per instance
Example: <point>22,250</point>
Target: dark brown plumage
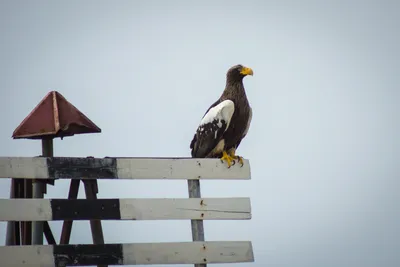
<point>226,121</point>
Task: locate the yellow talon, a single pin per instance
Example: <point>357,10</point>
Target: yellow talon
<point>240,159</point>
<point>236,157</point>
<point>229,159</point>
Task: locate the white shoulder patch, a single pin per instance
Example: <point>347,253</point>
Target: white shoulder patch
<point>222,111</point>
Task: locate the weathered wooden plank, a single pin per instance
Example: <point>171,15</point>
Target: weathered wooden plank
<point>23,167</point>
<point>121,168</point>
<point>83,255</point>
<point>200,208</point>
<point>125,209</point>
<point>20,209</point>
<point>186,168</point>
<point>27,256</point>
<point>127,254</point>
<point>188,253</point>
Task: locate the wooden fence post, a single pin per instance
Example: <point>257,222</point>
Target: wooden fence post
<point>197,225</point>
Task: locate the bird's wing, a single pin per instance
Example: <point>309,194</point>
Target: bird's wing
<point>247,128</point>
<point>248,122</point>
<point>194,140</point>
<point>211,128</point>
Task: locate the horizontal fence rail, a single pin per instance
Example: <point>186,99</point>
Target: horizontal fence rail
<point>121,168</point>
<point>125,209</point>
<point>127,254</point>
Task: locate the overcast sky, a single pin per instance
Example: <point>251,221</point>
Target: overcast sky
<point>324,140</point>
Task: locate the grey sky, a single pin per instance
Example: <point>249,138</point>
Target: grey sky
<point>324,140</point>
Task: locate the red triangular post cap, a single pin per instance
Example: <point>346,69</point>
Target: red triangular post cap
<point>54,117</point>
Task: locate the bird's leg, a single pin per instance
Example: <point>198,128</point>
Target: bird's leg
<point>226,157</point>
<point>232,152</point>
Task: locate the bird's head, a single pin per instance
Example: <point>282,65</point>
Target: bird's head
<point>238,72</point>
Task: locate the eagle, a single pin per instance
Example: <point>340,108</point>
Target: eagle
<point>226,122</point>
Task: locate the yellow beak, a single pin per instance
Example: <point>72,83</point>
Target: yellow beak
<point>246,71</point>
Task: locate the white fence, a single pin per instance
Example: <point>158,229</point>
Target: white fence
<point>194,208</point>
